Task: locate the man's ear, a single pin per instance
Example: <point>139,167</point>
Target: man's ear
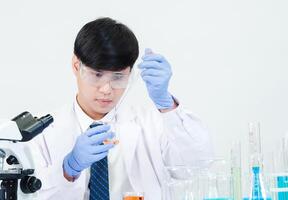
<point>75,64</point>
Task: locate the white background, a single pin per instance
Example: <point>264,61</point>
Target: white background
<point>229,58</point>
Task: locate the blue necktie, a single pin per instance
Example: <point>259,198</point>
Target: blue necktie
<point>99,179</point>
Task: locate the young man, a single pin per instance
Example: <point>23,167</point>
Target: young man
<point>78,160</point>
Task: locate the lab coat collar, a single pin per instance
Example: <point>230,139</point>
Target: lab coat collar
<point>85,121</point>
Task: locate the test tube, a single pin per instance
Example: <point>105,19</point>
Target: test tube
<point>285,153</point>
<point>236,171</point>
<point>255,144</point>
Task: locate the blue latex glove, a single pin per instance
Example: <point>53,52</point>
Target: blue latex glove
<point>88,149</point>
<point>156,73</point>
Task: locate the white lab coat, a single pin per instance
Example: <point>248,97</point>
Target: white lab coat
<point>150,141</point>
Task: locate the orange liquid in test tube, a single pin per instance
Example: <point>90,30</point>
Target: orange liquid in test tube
<point>133,198</point>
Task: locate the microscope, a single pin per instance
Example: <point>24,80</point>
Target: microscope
<point>16,160</point>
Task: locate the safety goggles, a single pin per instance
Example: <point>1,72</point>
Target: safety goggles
<point>117,80</point>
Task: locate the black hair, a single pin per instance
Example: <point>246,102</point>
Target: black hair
<point>105,44</point>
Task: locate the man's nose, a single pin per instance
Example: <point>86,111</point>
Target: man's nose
<point>105,88</point>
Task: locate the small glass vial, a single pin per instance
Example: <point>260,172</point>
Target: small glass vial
<point>133,196</point>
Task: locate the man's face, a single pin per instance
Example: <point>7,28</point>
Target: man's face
<point>96,98</point>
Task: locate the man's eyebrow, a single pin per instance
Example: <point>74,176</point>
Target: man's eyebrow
<point>97,70</point>
<point>120,73</point>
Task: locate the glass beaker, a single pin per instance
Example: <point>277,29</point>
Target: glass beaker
<point>133,196</point>
<point>215,186</point>
<point>278,172</point>
<point>182,183</point>
<point>215,181</point>
<point>200,182</point>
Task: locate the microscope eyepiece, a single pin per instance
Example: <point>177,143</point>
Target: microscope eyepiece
<point>30,126</point>
<point>46,120</point>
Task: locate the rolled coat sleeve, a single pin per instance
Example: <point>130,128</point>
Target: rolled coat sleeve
<point>185,139</point>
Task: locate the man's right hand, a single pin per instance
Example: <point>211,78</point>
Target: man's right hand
<point>88,149</point>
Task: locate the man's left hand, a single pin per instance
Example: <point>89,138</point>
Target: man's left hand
<point>156,73</point>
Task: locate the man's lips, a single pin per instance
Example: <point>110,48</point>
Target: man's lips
<point>104,101</point>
